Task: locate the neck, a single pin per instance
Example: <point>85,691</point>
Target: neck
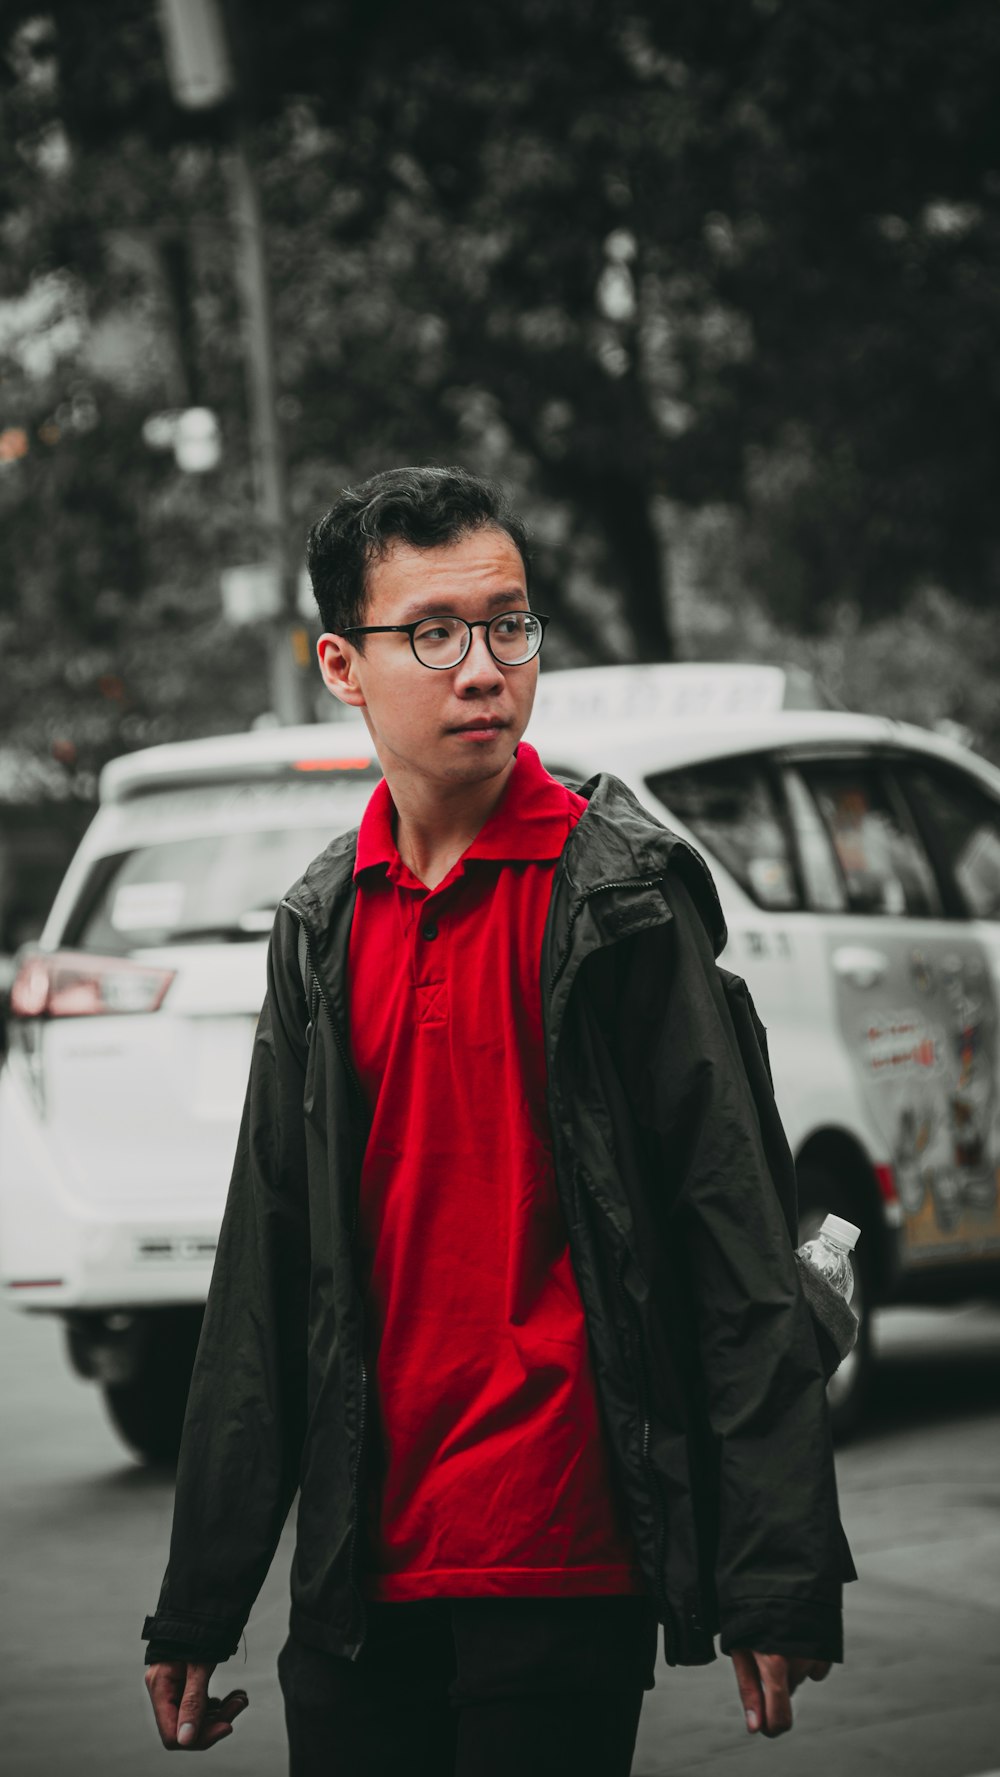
<point>436,823</point>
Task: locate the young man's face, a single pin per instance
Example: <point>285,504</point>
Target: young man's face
<point>460,724</point>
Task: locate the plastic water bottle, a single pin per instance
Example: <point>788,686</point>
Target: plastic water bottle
<point>829,1253</point>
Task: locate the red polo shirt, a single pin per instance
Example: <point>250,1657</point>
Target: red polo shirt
<point>490,1474</point>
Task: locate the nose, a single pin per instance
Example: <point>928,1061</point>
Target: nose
<point>478,671</point>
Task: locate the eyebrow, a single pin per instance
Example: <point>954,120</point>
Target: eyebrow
<point>513,600</point>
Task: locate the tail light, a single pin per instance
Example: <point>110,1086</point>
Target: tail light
<point>886,1178</point>
<point>71,984</point>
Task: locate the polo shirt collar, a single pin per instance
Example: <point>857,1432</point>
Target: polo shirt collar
<point>532,821</point>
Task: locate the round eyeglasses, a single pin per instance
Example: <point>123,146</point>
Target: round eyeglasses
<point>513,638</point>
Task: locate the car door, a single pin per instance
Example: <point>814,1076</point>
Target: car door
<point>958,816</point>
<point>914,994</point>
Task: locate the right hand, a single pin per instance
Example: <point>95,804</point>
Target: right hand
<point>187,1718</point>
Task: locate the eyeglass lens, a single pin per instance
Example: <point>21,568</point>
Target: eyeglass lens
<point>514,637</point>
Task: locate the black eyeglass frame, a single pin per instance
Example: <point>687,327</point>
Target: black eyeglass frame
<point>410,629</point>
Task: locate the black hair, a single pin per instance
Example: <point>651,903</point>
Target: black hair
<point>423,507</point>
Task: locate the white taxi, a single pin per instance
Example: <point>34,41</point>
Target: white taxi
<point>858,863</point>
<point>130,1029</point>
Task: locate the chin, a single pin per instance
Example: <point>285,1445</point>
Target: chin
<point>477,770</point>
<point>480,761</point>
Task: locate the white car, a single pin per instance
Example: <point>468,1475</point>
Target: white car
<point>858,863</point>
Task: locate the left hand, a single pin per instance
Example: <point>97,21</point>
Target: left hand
<point>766,1683</point>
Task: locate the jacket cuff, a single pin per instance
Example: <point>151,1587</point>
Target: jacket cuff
<point>799,1630</point>
<point>181,1650</point>
<point>191,1638</point>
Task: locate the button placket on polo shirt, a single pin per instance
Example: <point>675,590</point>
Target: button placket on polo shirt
<point>428,953</point>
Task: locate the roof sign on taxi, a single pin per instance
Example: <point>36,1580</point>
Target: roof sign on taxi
<point>686,691</point>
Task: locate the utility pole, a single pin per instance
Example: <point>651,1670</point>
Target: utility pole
<point>288,691</point>
<point>202,77</point>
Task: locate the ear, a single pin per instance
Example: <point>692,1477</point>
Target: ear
<point>337,663</point>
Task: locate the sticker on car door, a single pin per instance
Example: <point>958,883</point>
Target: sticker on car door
<point>916,1004</point>
<point>929,1069</point>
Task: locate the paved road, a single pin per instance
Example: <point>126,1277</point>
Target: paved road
<point>83,1532</point>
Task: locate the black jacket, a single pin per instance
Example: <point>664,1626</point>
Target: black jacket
<point>679,1197</point>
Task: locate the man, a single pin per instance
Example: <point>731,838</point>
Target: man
<point>505,1283</point>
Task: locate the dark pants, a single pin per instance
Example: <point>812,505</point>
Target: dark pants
<point>475,1687</point>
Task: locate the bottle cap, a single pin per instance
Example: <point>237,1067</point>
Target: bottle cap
<point>844,1233</point>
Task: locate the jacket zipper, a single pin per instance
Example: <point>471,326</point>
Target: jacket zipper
<point>355,1472</point>
<point>362,1416</point>
<point>599,888</point>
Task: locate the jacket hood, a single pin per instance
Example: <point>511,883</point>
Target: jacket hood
<point>327,879</point>
<point>618,841</point>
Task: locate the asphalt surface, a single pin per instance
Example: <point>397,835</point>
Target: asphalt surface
<point>84,1530</point>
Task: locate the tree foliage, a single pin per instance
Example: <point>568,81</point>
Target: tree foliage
<point>636,260</point>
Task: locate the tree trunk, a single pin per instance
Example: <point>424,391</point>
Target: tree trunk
<point>622,507</point>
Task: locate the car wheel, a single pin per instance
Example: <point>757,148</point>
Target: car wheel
<point>147,1411</point>
<point>821,1193</point>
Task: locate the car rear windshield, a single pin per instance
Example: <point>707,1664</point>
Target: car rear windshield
<point>211,886</point>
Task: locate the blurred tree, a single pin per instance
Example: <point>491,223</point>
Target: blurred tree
<point>110,629</point>
<point>746,256</point>
<point>857,228</point>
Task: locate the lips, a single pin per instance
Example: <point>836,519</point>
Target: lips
<point>483,725</point>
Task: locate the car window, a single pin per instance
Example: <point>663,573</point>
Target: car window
<point>962,821</point>
<point>732,807</point>
<point>825,888</point>
<point>882,861</point>
<point>213,885</point>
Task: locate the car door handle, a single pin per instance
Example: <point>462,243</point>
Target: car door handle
<point>859,965</point>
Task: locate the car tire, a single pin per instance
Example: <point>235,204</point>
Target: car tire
<point>821,1193</point>
<point>147,1411</point>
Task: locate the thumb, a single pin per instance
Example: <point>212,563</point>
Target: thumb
<point>749,1686</point>
<point>191,1712</point>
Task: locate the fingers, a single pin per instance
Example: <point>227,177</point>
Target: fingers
<point>764,1692</point>
<point>165,1684</point>
<point>749,1686</point>
<point>187,1718</point>
<point>193,1704</point>
<point>801,1669</point>
<point>777,1696</point>
<point>217,1721</point>
<point>231,1706</point>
